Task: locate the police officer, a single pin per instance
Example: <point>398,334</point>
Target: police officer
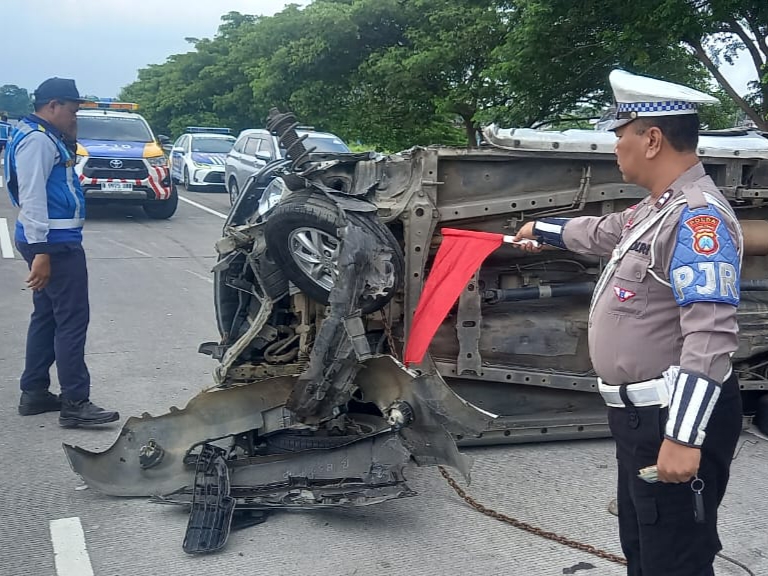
<point>39,170</point>
<point>662,329</point>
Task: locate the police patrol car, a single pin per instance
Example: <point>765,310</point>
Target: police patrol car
<point>119,158</point>
<point>197,158</point>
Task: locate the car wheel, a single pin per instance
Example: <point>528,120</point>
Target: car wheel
<point>234,191</point>
<point>187,186</point>
<point>163,209</point>
<point>302,236</point>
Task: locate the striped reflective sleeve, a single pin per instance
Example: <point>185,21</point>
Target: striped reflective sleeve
<point>550,231</point>
<point>693,399</point>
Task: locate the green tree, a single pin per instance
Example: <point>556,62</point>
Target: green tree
<point>315,62</point>
<point>398,73</point>
<point>200,87</point>
<point>559,54</point>
<point>560,51</point>
<point>715,31</point>
<point>15,101</point>
<point>442,64</point>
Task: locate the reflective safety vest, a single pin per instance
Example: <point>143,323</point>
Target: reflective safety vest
<point>5,130</point>
<point>65,200</point>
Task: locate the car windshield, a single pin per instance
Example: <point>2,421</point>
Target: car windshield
<point>324,144</point>
<point>114,128</point>
<point>212,145</point>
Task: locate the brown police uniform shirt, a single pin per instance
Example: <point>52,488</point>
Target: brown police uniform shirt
<point>638,330</point>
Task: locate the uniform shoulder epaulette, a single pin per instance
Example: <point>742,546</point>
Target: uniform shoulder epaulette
<point>694,196</point>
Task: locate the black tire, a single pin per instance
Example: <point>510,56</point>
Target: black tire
<point>761,416</point>
<point>187,186</point>
<point>233,191</point>
<point>305,209</point>
<point>163,209</point>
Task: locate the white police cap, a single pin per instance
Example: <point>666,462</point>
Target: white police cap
<point>638,96</point>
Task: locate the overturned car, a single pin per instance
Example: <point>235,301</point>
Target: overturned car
<point>321,266</point>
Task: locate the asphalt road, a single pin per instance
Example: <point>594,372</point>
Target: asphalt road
<point>151,306</point>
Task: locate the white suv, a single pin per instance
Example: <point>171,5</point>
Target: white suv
<point>255,148</point>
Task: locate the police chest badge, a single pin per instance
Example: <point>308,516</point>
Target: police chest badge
<point>704,234</point>
<point>623,294</point>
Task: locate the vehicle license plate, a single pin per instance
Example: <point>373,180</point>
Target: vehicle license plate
<point>116,187</point>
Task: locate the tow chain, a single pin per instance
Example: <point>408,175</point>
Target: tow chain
<point>527,527</point>
<point>388,332</point>
<point>498,515</point>
<point>551,535</point>
<point>575,544</point>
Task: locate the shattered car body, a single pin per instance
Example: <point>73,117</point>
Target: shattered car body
<point>321,267</point>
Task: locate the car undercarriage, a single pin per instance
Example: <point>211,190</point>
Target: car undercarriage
<point>321,266</point>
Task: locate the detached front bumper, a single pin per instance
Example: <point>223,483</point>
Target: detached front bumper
<point>123,470</point>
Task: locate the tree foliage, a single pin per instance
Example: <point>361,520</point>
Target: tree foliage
<point>397,73</point>
<point>14,101</point>
<point>714,31</point>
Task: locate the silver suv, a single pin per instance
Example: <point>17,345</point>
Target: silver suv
<point>255,148</point>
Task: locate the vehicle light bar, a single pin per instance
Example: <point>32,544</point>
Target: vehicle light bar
<point>107,104</point>
<point>210,129</point>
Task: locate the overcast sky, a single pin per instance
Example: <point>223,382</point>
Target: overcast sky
<point>103,43</point>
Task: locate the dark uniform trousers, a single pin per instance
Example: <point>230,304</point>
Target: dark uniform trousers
<point>658,531</point>
<point>58,326</point>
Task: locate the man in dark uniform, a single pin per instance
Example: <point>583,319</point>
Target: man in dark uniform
<point>39,170</point>
<point>662,329</point>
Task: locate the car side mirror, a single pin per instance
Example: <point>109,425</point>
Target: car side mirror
<point>163,139</point>
<point>264,156</point>
<point>177,149</point>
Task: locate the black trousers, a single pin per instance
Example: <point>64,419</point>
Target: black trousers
<point>658,532</point>
<point>58,326</point>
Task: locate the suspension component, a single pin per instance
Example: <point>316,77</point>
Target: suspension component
<point>284,127</point>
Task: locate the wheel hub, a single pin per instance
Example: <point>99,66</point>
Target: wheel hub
<point>315,252</point>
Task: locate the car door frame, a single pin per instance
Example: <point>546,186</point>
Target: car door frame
<point>245,161</point>
<point>177,159</point>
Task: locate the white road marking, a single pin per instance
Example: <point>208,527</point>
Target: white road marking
<point>6,247</point>
<point>131,248</point>
<point>69,551</point>
<point>209,280</point>
<point>203,208</point>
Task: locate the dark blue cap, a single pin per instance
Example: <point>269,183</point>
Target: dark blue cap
<point>57,89</point>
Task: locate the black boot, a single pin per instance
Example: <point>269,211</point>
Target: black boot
<point>37,402</point>
<point>84,413</point>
